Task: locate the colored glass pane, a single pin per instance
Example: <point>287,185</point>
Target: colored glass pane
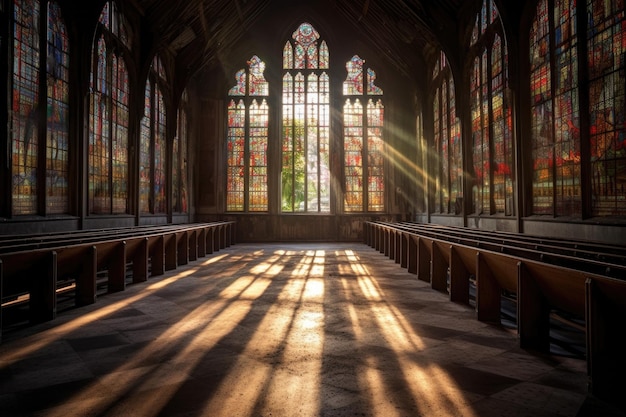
<point>305,35</point>
<point>306,127</point>
<point>375,153</point>
<point>120,124</point>
<point>247,142</point>
<point>145,161</point>
<point>500,151</point>
<point>372,89</point>
<point>108,122</point>
<point>240,88</point>
<point>541,111</point>
<point>324,56</point>
<point>57,162</point>
<point>606,45</point>
<point>24,126</point>
<point>258,86</point>
<point>363,162</point>
<point>160,151</point>
<point>99,135</point>
<point>235,149</point>
<point>437,141</point>
<point>259,122</point>
<point>566,111</point>
<point>456,164</point>
<point>554,110</point>
<point>492,155</point>
<point>179,159</point>
<point>353,85</point>
<point>353,155</point>
<point>288,56</point>
<point>447,174</point>
<point>444,150</point>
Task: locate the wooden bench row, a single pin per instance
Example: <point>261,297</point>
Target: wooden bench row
<point>601,261</point>
<point>16,243</point>
<point>539,287</point>
<point>580,245</point>
<point>39,275</point>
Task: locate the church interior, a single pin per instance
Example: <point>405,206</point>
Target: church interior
<point>315,207</point>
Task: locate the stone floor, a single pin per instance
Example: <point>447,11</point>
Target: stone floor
<point>283,330</point>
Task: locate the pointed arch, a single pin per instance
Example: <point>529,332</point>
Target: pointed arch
<point>108,118</point>
<point>492,123</point>
<point>153,145</point>
<point>447,139</point>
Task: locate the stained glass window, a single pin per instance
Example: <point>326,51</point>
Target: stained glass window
<point>606,44</point>
<point>363,140</point>
<point>447,132</point>
<point>306,123</point>
<point>179,159</point>
<point>152,154</point>
<point>108,120</point>
<point>554,110</point>
<point>247,140</point>
<point>29,118</point>
<point>492,123</point>
<point>25,129</point>
<point>57,158</point>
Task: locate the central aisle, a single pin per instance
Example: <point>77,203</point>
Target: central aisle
<point>281,330</point>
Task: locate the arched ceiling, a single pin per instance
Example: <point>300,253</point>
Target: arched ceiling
<point>404,32</point>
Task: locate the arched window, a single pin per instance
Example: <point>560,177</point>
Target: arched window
<point>306,123</point>
<point>491,116</point>
<point>38,129</point>
<point>363,140</point>
<point>247,141</point>
<point>152,148</point>
<point>108,116</point>
<point>179,159</point>
<point>606,44</point>
<point>555,109</point>
<point>448,175</point>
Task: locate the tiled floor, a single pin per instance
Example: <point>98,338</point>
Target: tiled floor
<point>283,330</point>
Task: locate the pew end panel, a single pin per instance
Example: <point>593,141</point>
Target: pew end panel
<point>494,273</point>
<point>605,315</point>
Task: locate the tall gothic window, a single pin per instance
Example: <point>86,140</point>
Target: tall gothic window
<point>491,116</point>
<point>363,115</point>
<point>39,116</point>
<point>152,148</point>
<point>108,116</point>
<point>247,141</point>
<point>555,109</point>
<point>448,175</point>
<point>179,159</point>
<point>606,45</point>
<point>305,123</point>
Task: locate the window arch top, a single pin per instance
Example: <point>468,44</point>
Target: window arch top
<point>254,84</point>
<point>487,16</point>
<point>305,51</point>
<point>115,23</point>
<point>353,85</point>
<point>305,35</point>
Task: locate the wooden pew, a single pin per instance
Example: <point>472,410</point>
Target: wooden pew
<point>39,273</point>
<point>605,310</point>
<point>542,285</point>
